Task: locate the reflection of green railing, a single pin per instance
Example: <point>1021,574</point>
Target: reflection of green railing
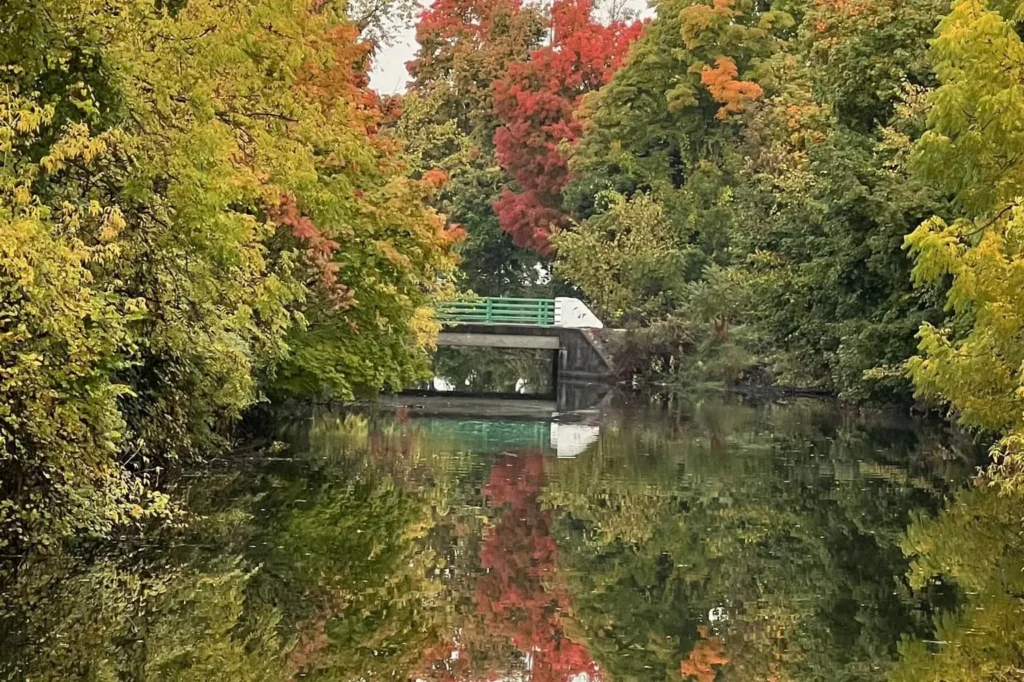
<point>538,311</point>
<point>482,436</point>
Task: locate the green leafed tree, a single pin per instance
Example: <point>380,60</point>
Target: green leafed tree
<point>782,180</point>
<point>196,210</point>
<point>448,124</point>
<point>973,150</point>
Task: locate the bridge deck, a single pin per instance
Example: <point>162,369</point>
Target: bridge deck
<point>579,356</point>
<point>564,325</point>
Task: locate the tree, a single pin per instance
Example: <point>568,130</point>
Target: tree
<point>448,119</point>
<point>627,261</point>
<point>229,223</point>
<point>782,181</point>
<point>973,151</point>
<point>464,46</point>
<point>832,198</point>
<point>656,123</point>
<point>489,262</point>
<point>535,102</point>
<point>381,21</point>
<point>665,134</point>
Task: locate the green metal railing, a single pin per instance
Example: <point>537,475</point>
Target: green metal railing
<point>538,311</point>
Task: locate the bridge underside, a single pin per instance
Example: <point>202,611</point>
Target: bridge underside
<point>579,356</point>
<point>471,340</point>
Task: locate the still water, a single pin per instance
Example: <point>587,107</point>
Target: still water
<point>706,541</point>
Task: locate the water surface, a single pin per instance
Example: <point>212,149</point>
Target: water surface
<point>705,541</point>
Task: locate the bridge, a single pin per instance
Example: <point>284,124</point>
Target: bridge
<point>564,326</point>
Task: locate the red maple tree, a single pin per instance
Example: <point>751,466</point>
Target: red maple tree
<point>464,45</point>
<point>535,100</point>
<point>453,33</point>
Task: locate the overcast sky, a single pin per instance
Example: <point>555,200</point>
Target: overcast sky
<point>389,76</point>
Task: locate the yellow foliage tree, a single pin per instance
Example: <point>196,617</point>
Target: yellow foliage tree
<point>975,151</point>
<point>196,210</point>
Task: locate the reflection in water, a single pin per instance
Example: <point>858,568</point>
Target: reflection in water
<point>518,597</point>
<point>975,544</point>
<point>722,542</point>
<point>570,439</point>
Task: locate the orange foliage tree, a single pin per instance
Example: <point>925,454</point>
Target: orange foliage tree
<point>732,94</point>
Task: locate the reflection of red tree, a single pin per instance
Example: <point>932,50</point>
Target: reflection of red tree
<point>519,595</point>
<point>519,601</point>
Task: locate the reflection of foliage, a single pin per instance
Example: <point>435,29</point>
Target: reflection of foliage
<point>384,547</point>
<point>353,552</point>
<point>704,659</point>
<point>149,620</point>
<point>976,543</point>
<point>519,596</point>
<point>766,514</point>
<point>299,574</point>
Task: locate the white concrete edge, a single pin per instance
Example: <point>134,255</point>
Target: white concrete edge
<point>572,313</point>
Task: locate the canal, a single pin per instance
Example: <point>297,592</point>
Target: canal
<point>707,540</point>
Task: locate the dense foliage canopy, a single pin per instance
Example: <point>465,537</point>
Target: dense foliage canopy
<point>204,206</point>
<point>819,194</point>
<point>196,210</point>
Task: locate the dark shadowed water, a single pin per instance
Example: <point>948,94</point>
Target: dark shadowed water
<point>706,541</point>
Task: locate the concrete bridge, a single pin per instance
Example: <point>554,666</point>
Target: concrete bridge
<point>564,326</point>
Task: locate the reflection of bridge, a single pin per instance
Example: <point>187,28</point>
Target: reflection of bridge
<point>495,436</point>
<point>563,325</point>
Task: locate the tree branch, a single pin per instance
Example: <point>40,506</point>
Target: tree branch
<point>992,222</point>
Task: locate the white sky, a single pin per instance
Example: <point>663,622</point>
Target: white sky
<point>389,76</point>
